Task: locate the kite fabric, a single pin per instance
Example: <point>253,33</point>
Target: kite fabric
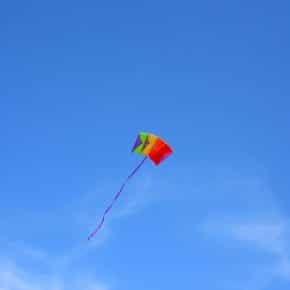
<point>146,144</point>
<point>152,146</point>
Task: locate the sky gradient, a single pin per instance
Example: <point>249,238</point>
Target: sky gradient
<point>80,79</point>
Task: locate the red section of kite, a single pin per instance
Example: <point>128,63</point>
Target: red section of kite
<point>160,151</point>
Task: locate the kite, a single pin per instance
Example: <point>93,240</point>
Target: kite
<point>148,145</point>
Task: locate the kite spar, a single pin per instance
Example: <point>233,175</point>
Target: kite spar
<point>150,146</point>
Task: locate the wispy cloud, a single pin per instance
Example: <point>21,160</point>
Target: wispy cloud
<point>83,216</point>
<point>79,217</point>
<point>138,193</point>
<point>12,277</point>
<point>20,248</point>
<point>269,238</point>
<point>26,267</point>
<point>250,218</point>
<point>141,194</point>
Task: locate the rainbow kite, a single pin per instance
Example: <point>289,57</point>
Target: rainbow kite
<point>150,146</point>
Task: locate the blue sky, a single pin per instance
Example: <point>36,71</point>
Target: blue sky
<point>79,80</point>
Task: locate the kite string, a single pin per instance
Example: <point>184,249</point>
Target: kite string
<point>115,198</point>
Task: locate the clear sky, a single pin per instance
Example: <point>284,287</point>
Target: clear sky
<point>80,79</point>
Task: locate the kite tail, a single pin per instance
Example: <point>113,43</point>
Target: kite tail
<point>115,198</point>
